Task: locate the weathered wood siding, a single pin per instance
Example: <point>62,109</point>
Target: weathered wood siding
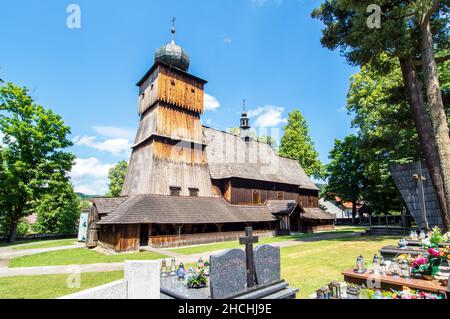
<point>120,238</point>
<point>181,152</point>
<point>148,92</point>
<point>247,192</point>
<point>178,89</point>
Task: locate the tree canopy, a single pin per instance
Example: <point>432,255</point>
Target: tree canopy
<point>32,155</point>
<point>117,178</point>
<point>297,144</point>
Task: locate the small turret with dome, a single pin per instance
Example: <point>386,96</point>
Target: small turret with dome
<point>173,54</point>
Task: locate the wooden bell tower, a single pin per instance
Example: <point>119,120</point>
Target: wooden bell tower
<point>169,156</point>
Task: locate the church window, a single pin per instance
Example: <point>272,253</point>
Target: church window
<point>192,91</point>
<point>193,192</point>
<point>151,87</point>
<point>175,191</point>
<point>256,197</point>
<point>172,82</point>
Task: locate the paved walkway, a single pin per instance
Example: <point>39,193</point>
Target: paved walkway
<point>105,267</point>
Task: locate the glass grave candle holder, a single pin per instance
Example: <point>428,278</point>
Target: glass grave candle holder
<point>335,290</point>
<point>173,268</point>
<point>402,243</point>
<point>422,235</point>
<point>376,264</point>
<point>181,272</point>
<point>164,268</point>
<point>405,270</point>
<point>360,266</point>
<point>394,269</point>
<point>383,266</point>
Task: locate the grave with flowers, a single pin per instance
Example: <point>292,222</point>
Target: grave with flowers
<point>417,269</point>
<point>232,274</point>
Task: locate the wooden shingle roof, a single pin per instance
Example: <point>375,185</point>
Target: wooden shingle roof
<point>230,156</point>
<point>154,209</point>
<point>106,205</point>
<point>281,207</point>
<point>316,214</point>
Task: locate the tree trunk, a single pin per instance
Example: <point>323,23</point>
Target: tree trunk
<point>12,231</point>
<point>437,114</point>
<point>425,132</point>
<point>354,212</point>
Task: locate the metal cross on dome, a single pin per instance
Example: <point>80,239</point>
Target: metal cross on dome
<point>248,240</point>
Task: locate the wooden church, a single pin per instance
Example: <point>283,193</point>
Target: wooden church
<point>190,184</point>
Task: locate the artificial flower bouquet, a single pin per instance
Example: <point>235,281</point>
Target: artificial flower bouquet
<point>428,266</point>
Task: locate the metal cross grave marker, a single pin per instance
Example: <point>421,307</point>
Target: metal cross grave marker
<point>248,241</point>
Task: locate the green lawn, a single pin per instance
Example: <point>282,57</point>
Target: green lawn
<point>77,256</point>
<point>307,266</point>
<point>38,243</point>
<point>234,244</point>
<point>51,286</point>
<point>47,244</point>
<point>310,266</point>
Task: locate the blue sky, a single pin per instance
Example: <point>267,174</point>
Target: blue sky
<point>265,51</point>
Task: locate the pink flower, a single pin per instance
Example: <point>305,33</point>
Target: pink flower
<point>433,252</point>
<point>418,262</point>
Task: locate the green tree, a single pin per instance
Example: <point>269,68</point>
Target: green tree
<point>58,210</point>
<point>405,34</point>
<point>33,154</point>
<point>297,144</point>
<point>117,178</point>
<point>345,172</point>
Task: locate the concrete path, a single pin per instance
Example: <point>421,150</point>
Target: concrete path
<point>11,253</point>
<point>186,259</point>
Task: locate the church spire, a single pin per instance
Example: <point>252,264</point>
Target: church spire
<point>173,31</point>
<point>245,123</point>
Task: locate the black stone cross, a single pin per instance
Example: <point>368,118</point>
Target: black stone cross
<point>248,241</point>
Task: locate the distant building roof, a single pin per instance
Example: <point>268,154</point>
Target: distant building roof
<point>316,213</point>
<point>230,156</point>
<point>143,209</point>
<point>106,205</point>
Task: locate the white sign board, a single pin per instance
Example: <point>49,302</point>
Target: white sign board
<point>82,227</point>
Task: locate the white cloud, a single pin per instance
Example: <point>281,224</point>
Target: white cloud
<point>90,176</point>
<point>227,40</point>
<point>342,110</point>
<point>211,103</point>
<point>267,116</point>
<point>115,132</point>
<point>89,167</point>
<point>116,146</point>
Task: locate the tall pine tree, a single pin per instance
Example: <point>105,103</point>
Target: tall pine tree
<point>297,144</point>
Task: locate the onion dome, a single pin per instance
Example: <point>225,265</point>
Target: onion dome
<point>173,54</point>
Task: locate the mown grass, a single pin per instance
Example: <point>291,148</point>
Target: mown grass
<point>51,286</point>
<point>77,256</point>
<point>310,266</point>
<point>234,244</point>
<point>307,266</point>
<point>47,244</point>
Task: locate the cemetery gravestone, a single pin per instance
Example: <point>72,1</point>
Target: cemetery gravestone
<point>228,273</point>
<point>267,264</point>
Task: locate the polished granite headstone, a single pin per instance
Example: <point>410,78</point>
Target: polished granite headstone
<point>267,264</point>
<point>228,273</point>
